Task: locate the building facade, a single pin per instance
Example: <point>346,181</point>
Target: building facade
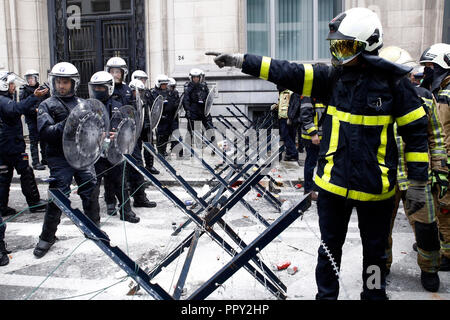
<point>171,36</point>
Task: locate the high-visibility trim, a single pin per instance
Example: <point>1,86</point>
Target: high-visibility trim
<point>265,67</point>
<point>428,102</point>
<point>360,119</point>
<point>431,209</point>
<point>306,137</point>
<point>444,93</point>
<point>381,156</point>
<point>334,141</point>
<point>312,129</point>
<point>417,157</point>
<point>437,129</point>
<point>352,194</point>
<point>411,117</point>
<point>309,79</point>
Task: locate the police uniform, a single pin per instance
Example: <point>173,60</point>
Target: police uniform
<point>31,121</point>
<point>52,116</point>
<point>194,100</point>
<point>113,181</point>
<point>358,156</point>
<point>12,151</point>
<point>311,116</point>
<point>165,126</point>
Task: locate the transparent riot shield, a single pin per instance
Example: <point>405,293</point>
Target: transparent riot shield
<point>156,112</point>
<point>210,101</point>
<point>84,133</point>
<point>123,125</point>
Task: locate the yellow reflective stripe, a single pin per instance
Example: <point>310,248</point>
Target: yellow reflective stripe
<point>319,106</point>
<point>334,141</point>
<point>311,129</point>
<point>381,156</point>
<point>265,67</point>
<point>352,194</point>
<point>417,157</point>
<point>309,79</point>
<point>444,93</point>
<point>306,137</point>
<point>360,119</point>
<point>411,117</point>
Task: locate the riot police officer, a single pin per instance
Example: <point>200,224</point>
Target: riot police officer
<point>118,68</point>
<point>12,147</point>
<point>357,164</point>
<point>64,80</point>
<point>136,181</point>
<point>195,94</point>
<point>175,97</point>
<point>164,129</point>
<point>146,135</point>
<point>12,155</point>
<point>101,87</point>
<point>32,78</point>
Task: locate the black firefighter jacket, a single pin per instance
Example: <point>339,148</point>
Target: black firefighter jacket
<point>358,154</point>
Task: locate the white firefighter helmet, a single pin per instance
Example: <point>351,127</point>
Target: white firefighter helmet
<point>101,79</point>
<point>64,70</point>
<point>117,62</point>
<point>136,84</point>
<point>398,55</point>
<point>172,82</point>
<point>439,54</point>
<point>197,73</point>
<point>161,79</point>
<point>353,32</point>
<point>31,73</point>
<point>139,74</point>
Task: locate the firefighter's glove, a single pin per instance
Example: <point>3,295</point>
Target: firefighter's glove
<point>227,60</point>
<point>440,181</point>
<point>415,197</point>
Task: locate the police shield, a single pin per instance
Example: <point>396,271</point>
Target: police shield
<point>139,114</point>
<point>84,133</point>
<point>156,112</point>
<point>210,101</point>
<point>124,125</point>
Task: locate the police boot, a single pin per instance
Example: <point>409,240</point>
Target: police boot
<point>430,281</point>
<point>129,216</point>
<point>152,170</point>
<point>6,212</point>
<point>38,207</point>
<point>4,259</point>
<point>141,201</point>
<point>42,247</point>
<point>39,167</point>
<point>445,264</point>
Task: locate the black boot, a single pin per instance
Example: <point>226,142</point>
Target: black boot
<point>129,216</point>
<point>38,207</point>
<point>153,170</point>
<point>141,201</point>
<point>39,167</point>
<point>43,247</point>
<point>6,212</point>
<point>4,259</point>
<point>445,264</point>
<point>430,281</point>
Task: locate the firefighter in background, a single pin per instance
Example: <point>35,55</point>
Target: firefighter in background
<point>423,221</point>
<point>436,60</point>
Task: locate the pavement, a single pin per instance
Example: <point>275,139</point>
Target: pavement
<point>76,269</point>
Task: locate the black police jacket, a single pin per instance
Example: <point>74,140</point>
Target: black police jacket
<point>358,154</point>
<point>122,94</point>
<point>11,130</point>
<point>52,116</point>
<point>24,92</point>
<point>194,100</point>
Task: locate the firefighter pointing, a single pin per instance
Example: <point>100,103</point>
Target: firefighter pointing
<point>365,95</point>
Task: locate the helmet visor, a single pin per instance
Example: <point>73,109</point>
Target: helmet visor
<point>345,50</point>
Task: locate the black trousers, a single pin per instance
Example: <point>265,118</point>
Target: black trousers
<point>63,174</point>
<point>374,220</point>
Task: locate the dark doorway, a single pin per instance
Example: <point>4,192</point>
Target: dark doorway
<point>107,28</point>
